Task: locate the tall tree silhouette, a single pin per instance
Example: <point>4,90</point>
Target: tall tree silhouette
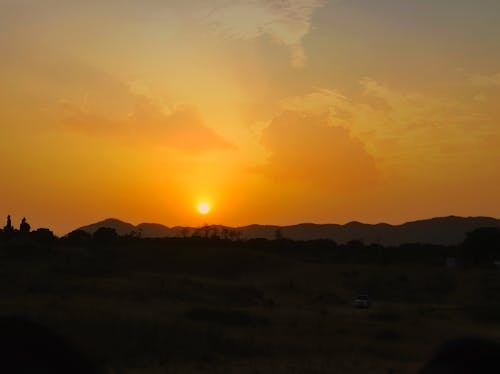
<point>25,227</point>
<point>8,228</point>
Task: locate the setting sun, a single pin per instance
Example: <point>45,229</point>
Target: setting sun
<point>248,112</point>
<point>204,207</point>
<point>239,182</point>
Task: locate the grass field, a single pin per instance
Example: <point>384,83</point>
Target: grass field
<point>157,308</point>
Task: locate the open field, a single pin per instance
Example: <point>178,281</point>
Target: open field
<point>172,307</point>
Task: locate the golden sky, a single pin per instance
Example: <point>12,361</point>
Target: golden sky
<point>273,111</point>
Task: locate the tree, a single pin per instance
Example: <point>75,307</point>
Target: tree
<point>78,237</point>
<point>214,233</point>
<point>43,236</point>
<point>8,228</point>
<point>278,235</point>
<point>185,232</point>
<point>482,246</point>
<point>105,235</point>
<point>25,227</point>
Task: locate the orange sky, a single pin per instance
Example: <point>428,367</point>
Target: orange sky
<point>274,112</point>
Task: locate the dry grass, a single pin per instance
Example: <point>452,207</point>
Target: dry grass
<point>233,310</point>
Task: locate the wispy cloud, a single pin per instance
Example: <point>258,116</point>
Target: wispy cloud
<point>286,22</point>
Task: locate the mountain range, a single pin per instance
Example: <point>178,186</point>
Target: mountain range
<point>442,230</point>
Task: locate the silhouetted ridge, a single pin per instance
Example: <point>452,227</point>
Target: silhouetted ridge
<point>121,227</point>
<point>441,230</point>
<point>154,230</point>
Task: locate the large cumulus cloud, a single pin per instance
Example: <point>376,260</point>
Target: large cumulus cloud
<point>309,149</point>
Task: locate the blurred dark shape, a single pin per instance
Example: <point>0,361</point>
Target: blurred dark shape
<point>8,226</point>
<point>105,235</point>
<point>78,237</point>
<point>465,356</point>
<point>8,229</point>
<point>207,232</point>
<point>482,246</point>
<point>355,245</point>
<point>236,234</point>
<point>25,227</point>
<point>43,236</point>
<point>28,347</point>
<point>278,235</point>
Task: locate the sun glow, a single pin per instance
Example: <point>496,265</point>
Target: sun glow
<point>204,207</point>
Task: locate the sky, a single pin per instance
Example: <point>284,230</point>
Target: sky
<point>271,111</point>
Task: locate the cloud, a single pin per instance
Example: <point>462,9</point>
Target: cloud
<point>412,135</point>
<point>286,22</point>
<point>181,127</point>
<point>380,113</point>
<point>307,148</point>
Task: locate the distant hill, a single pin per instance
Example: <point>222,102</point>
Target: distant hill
<point>442,230</point>
<point>154,230</point>
<point>122,228</point>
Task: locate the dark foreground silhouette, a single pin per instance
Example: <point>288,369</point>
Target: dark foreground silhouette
<point>465,356</point>
<point>28,347</point>
<point>205,303</point>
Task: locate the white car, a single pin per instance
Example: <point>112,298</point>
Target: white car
<point>362,302</point>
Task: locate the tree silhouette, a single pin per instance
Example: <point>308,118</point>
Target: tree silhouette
<point>43,236</point>
<point>184,232</point>
<point>105,235</point>
<point>78,237</point>
<point>25,227</point>
<point>206,230</point>
<point>8,228</point>
<point>214,233</point>
<point>482,246</point>
<point>278,235</point>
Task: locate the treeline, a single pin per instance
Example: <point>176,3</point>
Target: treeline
<point>481,247</point>
<point>11,235</point>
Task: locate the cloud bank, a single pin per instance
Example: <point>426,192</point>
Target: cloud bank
<point>180,127</point>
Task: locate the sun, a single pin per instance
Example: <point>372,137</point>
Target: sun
<point>204,207</point>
